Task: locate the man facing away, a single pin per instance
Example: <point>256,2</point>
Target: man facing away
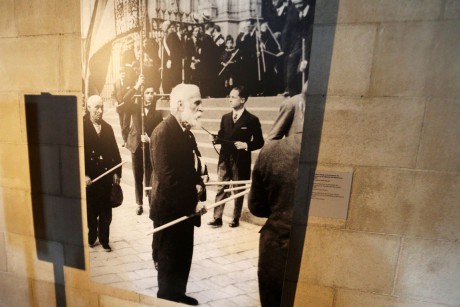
<point>272,196</point>
<point>101,154</point>
<point>298,28</point>
<point>239,134</point>
<point>137,142</point>
<point>176,188</point>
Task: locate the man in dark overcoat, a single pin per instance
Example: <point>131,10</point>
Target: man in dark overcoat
<point>240,133</point>
<point>176,188</point>
<point>119,90</point>
<point>137,142</point>
<point>299,26</point>
<point>174,48</point>
<point>272,194</point>
<point>209,61</point>
<point>101,154</point>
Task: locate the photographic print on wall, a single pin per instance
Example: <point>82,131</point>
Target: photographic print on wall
<point>192,104</point>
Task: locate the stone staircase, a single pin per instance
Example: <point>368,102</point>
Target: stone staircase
<point>265,108</point>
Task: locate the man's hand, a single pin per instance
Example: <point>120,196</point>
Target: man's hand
<point>140,82</point>
<point>145,138</point>
<point>303,65</point>
<point>213,137</point>
<point>200,209</point>
<point>199,190</point>
<point>116,179</point>
<point>241,145</point>
<point>168,64</point>
<point>88,181</point>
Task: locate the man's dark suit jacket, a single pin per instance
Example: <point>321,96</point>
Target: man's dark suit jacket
<point>295,29</point>
<point>119,91</point>
<point>176,48</point>
<point>101,154</point>
<point>174,177</point>
<point>152,120</point>
<point>247,129</point>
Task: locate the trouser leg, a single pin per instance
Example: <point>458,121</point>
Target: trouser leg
<point>224,174</point>
<point>155,241</point>
<point>238,203</point>
<point>138,172</point>
<point>92,223</point>
<point>271,268</point>
<point>126,125</point>
<point>174,252</point>
<point>238,206</point>
<point>148,166</point>
<point>105,218</point>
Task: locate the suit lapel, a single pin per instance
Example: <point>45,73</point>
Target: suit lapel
<point>240,122</point>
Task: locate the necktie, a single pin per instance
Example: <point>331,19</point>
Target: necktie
<point>235,117</point>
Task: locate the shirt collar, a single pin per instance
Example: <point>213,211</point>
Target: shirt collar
<point>238,113</point>
<point>180,125</point>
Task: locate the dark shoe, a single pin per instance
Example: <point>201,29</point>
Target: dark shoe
<point>187,300</point>
<point>216,223</point>
<point>139,210</point>
<point>234,223</point>
<point>107,248</point>
<point>92,244</point>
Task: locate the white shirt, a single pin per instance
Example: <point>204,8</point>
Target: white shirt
<point>238,114</point>
<point>98,128</point>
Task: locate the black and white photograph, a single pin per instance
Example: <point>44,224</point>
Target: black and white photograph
<point>194,113</point>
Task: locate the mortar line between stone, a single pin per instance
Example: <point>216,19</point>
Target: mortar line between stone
<point>395,279</point>
<point>422,126</point>
<point>370,86</point>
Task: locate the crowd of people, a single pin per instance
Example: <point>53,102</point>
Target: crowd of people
<point>164,152</point>
<point>268,55</point>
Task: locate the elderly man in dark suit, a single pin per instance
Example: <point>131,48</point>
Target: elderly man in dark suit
<point>272,196</point>
<point>240,134</point>
<point>176,188</point>
<point>298,28</point>
<point>137,142</point>
<point>101,154</point>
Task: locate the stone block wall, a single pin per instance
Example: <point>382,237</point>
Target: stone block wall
<point>391,114</point>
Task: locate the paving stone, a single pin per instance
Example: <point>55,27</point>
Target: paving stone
<point>249,286</point>
<point>245,300</point>
<point>129,276</point>
<point>222,280</point>
<point>108,278</point>
<point>223,303</point>
<point>145,283</point>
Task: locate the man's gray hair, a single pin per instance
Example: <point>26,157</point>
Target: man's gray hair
<point>92,100</point>
<point>181,92</point>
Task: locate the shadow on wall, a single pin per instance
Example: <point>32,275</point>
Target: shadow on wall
<point>52,132</point>
<point>319,72</point>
